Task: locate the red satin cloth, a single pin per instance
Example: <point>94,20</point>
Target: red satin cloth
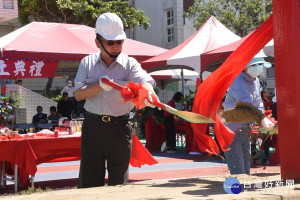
<point>156,135</point>
<point>28,153</point>
<point>140,155</point>
<point>212,90</point>
<point>135,93</point>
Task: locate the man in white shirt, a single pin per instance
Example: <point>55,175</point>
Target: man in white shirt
<point>106,133</point>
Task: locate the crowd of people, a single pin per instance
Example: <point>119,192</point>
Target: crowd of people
<point>66,107</point>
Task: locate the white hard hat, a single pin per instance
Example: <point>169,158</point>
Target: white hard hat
<point>259,59</point>
<point>110,26</point>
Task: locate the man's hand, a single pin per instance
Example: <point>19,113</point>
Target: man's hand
<point>103,85</point>
<point>267,123</point>
<point>151,99</point>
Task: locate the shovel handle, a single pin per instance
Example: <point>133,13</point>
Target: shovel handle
<point>189,116</point>
<point>112,84</point>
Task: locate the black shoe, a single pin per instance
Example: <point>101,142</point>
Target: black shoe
<point>265,161</point>
<point>170,150</point>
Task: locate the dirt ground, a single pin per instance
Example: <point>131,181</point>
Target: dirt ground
<point>193,188</point>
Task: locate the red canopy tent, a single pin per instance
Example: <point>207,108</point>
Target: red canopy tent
<point>40,45</point>
<point>211,35</point>
<point>211,60</point>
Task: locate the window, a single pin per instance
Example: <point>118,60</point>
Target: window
<point>170,34</point>
<point>8,4</point>
<point>170,17</point>
<point>170,26</point>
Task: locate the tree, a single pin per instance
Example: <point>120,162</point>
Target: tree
<point>240,16</point>
<point>78,12</point>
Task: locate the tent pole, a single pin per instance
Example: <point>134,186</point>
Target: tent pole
<point>163,89</point>
<point>182,81</point>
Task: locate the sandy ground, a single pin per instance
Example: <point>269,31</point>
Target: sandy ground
<point>192,188</point>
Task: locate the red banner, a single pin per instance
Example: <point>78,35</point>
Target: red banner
<point>27,69</point>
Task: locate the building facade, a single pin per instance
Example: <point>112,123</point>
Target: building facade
<point>8,10</point>
<point>168,26</point>
<point>8,16</point>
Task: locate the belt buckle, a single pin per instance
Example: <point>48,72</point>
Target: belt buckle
<point>106,118</point>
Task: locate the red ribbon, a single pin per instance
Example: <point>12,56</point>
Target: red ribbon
<point>212,90</point>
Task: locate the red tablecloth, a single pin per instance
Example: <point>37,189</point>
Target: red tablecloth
<point>156,135</point>
<point>28,153</point>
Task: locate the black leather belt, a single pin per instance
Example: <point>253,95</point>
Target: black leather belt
<point>109,118</point>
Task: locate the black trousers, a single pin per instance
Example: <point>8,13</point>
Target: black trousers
<point>104,141</point>
<point>266,146</point>
<point>274,110</point>
<point>170,132</point>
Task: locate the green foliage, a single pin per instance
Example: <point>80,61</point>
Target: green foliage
<point>56,98</point>
<point>188,100</point>
<point>5,109</point>
<point>79,12</point>
<point>15,99</point>
<point>142,115</point>
<point>8,106</point>
<point>54,95</point>
<point>240,16</point>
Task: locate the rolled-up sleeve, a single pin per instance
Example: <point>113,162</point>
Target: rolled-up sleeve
<point>138,75</point>
<point>81,76</point>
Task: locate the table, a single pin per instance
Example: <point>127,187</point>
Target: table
<point>156,134</point>
<point>26,154</point>
<point>185,128</point>
<point>28,126</point>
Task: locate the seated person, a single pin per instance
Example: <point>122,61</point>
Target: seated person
<point>65,106</point>
<point>20,82</point>
<point>169,124</point>
<point>54,115</point>
<point>40,117</point>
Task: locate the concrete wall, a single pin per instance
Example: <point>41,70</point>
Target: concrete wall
<point>30,100</point>
<point>188,28</point>
<point>156,35</point>
<point>38,84</point>
<point>8,26</point>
